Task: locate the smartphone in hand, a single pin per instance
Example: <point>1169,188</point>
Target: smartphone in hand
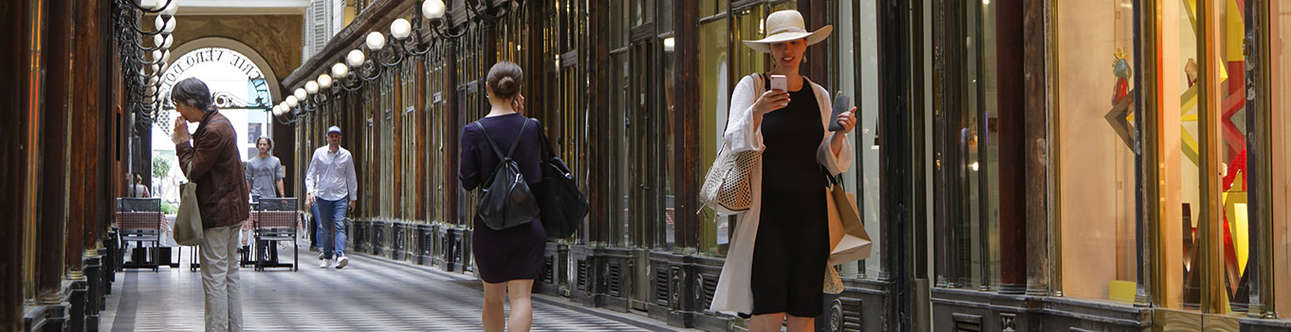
<point>779,82</point>
<point>841,105</point>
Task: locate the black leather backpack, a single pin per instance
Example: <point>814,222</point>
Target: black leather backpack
<point>506,201</point>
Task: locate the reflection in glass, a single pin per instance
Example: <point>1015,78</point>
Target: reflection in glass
<point>669,142</point>
<point>714,91</point>
<point>856,33</point>
<point>623,184</point>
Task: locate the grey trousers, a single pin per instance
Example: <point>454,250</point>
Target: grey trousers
<point>219,256</point>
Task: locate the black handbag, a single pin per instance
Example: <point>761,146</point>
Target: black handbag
<point>506,200</point>
<point>563,206</point>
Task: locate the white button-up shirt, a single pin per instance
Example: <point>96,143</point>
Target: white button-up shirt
<point>331,175</point>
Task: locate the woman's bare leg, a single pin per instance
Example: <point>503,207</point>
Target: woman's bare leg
<point>518,292</point>
<point>766,322</point>
<point>801,324</point>
<point>493,316</point>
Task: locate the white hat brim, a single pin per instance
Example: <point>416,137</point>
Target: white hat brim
<point>764,45</point>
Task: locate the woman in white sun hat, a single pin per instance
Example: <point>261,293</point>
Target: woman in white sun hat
<point>777,258</point>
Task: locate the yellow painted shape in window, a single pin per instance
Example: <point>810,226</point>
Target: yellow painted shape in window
<point>1121,291</point>
<point>1235,31</point>
<point>1235,210</point>
<point>1191,9</point>
<point>1190,146</point>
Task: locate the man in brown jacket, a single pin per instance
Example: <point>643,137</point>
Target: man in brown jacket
<point>210,158</point>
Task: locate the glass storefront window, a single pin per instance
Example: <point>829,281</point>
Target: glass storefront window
<point>620,221</point>
<point>748,25</point>
<point>711,7</point>
<point>1096,165</point>
<point>714,88</point>
<point>437,169</point>
<point>857,40</point>
<point>1231,150</point>
<point>966,186</point>
<point>667,128</point>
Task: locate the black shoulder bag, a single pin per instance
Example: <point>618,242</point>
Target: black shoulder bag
<point>563,205</point>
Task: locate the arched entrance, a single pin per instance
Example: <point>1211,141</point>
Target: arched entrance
<point>244,88</point>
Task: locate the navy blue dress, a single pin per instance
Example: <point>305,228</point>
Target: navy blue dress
<point>514,253</point>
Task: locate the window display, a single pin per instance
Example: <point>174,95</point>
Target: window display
<point>1231,150</point>
<point>1096,160</point>
<point>857,61</point>
<point>714,92</point>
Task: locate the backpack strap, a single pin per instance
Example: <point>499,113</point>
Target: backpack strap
<point>519,136</point>
<point>548,151</point>
<point>498,150</point>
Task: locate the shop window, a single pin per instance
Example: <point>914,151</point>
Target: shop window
<point>470,106</point>
<point>667,129</point>
<point>748,25</point>
<point>512,33</point>
<point>1232,195</point>
<point>438,170</point>
<point>1096,161</point>
<point>413,140</point>
<point>665,47</point>
<point>714,86</point>
<point>1280,109</point>
<point>622,185</point>
<point>965,185</point>
<point>711,7</point>
<point>856,60</point>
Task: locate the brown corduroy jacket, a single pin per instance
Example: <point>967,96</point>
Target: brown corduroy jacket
<point>222,197</point>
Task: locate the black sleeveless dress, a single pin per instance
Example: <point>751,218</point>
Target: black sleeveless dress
<point>792,245</point>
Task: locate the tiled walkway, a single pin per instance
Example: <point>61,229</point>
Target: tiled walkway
<point>371,294</point>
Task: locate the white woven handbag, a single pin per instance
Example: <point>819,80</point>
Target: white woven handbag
<point>728,187</point>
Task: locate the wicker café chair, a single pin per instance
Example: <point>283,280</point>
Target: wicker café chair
<point>276,219</point>
<point>139,220</point>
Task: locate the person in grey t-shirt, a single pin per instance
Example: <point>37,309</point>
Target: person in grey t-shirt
<point>264,172</point>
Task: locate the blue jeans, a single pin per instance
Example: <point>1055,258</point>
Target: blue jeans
<point>331,221</point>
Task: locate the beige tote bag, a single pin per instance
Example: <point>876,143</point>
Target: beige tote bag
<point>188,222</point>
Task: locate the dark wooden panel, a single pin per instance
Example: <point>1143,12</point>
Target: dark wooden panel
<point>50,130</point>
<point>1011,99</point>
<point>895,158</point>
<point>1035,141</point>
<point>16,60</point>
<point>688,138</point>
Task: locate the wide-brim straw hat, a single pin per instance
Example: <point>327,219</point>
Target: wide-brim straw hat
<point>786,25</point>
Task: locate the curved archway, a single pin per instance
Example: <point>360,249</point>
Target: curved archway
<point>270,77</point>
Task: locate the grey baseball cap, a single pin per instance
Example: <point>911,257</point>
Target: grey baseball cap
<point>334,129</point>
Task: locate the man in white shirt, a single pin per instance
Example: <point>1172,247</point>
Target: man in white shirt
<point>331,189</point>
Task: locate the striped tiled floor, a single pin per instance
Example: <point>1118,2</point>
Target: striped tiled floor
<point>371,294</point>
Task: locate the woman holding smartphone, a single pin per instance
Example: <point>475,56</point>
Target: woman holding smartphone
<point>776,263</point>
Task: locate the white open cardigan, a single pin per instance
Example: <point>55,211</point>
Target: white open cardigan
<point>734,293</point>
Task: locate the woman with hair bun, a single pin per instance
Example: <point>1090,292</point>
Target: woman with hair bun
<point>507,260</point>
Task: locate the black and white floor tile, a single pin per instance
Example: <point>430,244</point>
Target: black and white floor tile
<point>371,294</point>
